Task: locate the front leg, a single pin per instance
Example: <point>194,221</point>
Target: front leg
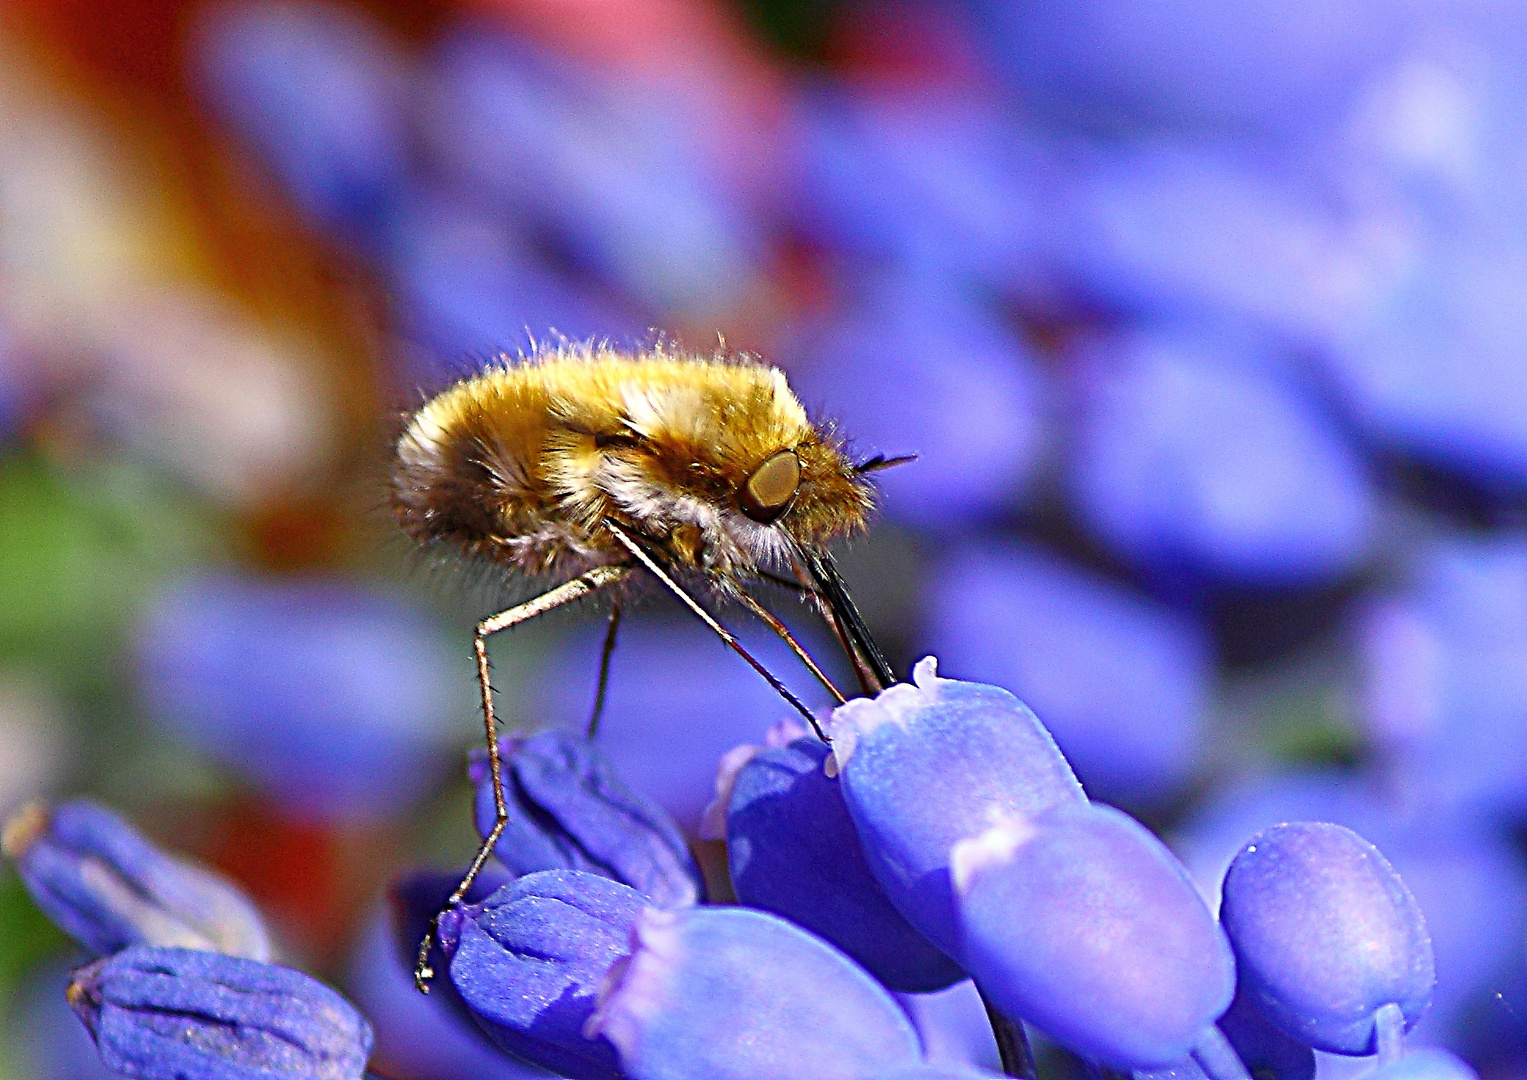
<point>584,584</point>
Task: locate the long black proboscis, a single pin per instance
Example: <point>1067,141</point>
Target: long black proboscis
<point>824,572</point>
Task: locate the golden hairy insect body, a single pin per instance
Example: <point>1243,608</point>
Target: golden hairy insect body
<point>712,461</point>
<point>596,465</point>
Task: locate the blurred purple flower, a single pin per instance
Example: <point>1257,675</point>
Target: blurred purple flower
<point>1436,371</point>
<point>1264,67</point>
<point>470,286</point>
<point>18,387</point>
<point>569,810</point>
<point>334,698</point>
<point>49,1041</point>
<point>794,852</point>
<point>1194,459</point>
<point>1184,230</point>
<point>937,179</point>
<point>915,366</point>
<point>107,887</point>
<point>931,1071</point>
<point>927,764</point>
<point>1122,683</point>
<point>714,993</point>
<point>1444,674</point>
<point>1325,933</point>
<point>321,94</point>
<point>529,960</point>
<point>604,168</point>
<point>954,1027</point>
<point>1081,921</point>
<point>168,1014</point>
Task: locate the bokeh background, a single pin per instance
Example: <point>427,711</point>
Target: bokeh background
<point>1207,320</point>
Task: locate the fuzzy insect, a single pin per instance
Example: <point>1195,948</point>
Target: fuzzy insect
<point>590,464</point>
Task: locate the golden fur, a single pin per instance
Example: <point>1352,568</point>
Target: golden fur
<point>521,464</point>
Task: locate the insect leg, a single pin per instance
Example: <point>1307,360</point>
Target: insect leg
<point>568,591</point>
<point>604,668</point>
<point>795,646</point>
<point>716,628</point>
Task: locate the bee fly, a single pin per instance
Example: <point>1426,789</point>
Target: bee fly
<point>589,464</point>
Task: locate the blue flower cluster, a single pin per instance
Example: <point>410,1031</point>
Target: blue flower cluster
<point>1201,319</point>
<point>183,985</point>
<point>941,836</point>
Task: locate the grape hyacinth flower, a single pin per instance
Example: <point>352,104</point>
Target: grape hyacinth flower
<point>568,810</point>
<point>794,852</point>
<point>109,888</point>
<point>928,764</point>
<point>1080,920</point>
<point>1330,944</point>
<point>529,961</point>
<point>916,364</point>
<point>169,1014</point>
<point>423,1036</point>
<point>715,993</point>
<point>420,1036</point>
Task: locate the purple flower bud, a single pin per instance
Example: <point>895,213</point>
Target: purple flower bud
<point>170,1014</point>
<point>736,994</point>
<point>568,810</point>
<point>1083,922</point>
<point>794,851</point>
<point>1325,932</point>
<point>109,888</point>
<point>929,764</point>
<point>420,1036</point>
<point>416,901</point>
<point>954,1027</point>
<point>530,959</point>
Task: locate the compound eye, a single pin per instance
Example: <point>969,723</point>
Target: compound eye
<point>771,487</point>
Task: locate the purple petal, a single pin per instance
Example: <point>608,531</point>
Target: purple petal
<point>569,810</point>
<point>737,994</point>
<point>1082,922</point>
<point>927,764</point>
<point>794,851</point>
